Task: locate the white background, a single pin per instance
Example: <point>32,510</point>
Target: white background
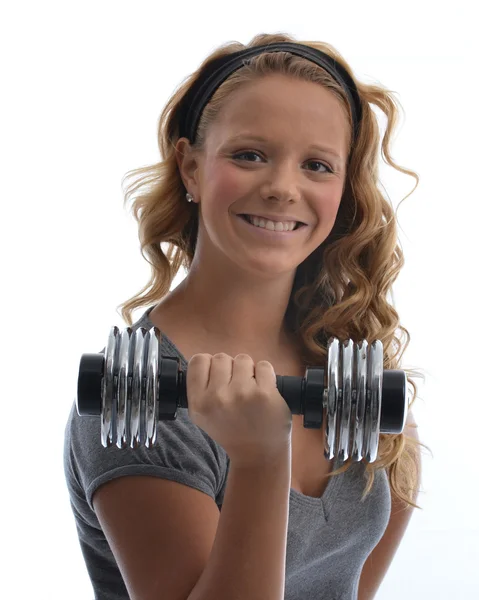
<point>83,86</point>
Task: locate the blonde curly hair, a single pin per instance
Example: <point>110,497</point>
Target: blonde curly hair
<point>340,289</point>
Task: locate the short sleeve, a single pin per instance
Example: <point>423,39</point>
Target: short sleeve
<point>183,453</point>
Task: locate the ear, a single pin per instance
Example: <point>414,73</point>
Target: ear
<point>188,165</point>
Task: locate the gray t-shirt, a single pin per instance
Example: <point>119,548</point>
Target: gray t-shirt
<point>329,538</point>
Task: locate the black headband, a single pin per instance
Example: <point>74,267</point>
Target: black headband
<point>220,69</point>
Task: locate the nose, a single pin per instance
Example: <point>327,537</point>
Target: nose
<point>282,183</point>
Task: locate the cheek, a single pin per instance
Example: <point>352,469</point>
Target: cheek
<point>326,205</point>
<point>327,213</point>
<point>331,211</point>
<point>226,185</point>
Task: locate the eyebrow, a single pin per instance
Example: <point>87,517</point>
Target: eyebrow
<point>260,138</point>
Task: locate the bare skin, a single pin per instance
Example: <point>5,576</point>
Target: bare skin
<point>235,296</point>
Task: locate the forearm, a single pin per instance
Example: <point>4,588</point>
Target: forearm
<point>248,558</point>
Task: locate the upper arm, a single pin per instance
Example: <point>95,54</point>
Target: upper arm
<point>380,559</point>
<point>160,532</point>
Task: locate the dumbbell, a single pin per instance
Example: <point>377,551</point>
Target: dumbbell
<point>132,386</point>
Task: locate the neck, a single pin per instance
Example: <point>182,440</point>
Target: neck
<point>234,311</point>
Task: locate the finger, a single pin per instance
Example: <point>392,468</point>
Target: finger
<point>198,372</point>
<point>265,374</point>
<point>220,371</point>
<point>243,368</point>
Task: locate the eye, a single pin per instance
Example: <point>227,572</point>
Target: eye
<point>251,152</point>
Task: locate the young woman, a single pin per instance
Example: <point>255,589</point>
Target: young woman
<point>286,241</point>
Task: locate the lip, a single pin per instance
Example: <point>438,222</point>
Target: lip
<point>283,218</point>
<point>268,235</point>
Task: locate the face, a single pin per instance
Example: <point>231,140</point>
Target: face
<point>282,173</point>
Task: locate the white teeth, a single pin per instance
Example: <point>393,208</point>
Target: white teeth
<point>271,225</point>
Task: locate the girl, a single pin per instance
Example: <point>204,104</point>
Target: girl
<point>286,240</point>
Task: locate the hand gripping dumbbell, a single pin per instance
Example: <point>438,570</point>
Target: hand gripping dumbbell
<point>132,387</point>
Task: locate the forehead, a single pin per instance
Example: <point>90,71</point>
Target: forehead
<point>280,107</point>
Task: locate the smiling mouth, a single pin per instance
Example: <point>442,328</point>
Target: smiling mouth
<point>249,220</point>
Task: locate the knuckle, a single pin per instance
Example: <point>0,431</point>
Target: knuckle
<point>214,402</point>
<point>243,394</point>
<point>263,396</point>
